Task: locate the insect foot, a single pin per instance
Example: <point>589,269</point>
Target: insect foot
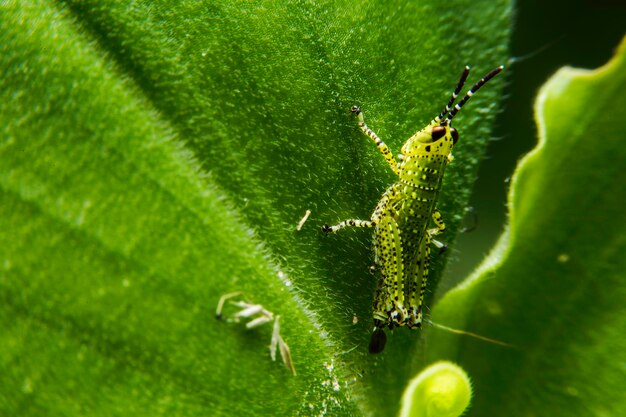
<point>378,341</point>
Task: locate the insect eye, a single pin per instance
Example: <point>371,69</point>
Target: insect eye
<point>455,135</point>
<point>438,132</point>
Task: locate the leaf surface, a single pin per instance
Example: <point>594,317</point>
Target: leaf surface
<point>155,156</point>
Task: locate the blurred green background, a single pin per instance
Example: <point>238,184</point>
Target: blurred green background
<point>546,36</point>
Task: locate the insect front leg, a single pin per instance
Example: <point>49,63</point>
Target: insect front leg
<point>382,147</point>
<point>416,299</point>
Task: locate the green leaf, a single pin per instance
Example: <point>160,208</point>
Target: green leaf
<point>156,155</point>
<point>554,287</point>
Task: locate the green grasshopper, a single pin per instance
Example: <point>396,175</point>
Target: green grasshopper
<point>401,220</point>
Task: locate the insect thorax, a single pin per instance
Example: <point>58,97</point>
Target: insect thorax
<point>421,176</point>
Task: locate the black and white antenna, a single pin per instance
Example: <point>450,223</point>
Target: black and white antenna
<point>470,93</point>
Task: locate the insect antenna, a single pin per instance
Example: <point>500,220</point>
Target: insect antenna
<point>470,334</point>
<point>455,94</point>
<point>470,93</point>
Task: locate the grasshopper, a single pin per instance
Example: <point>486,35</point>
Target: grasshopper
<point>401,220</point>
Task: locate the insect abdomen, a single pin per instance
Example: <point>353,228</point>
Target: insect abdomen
<point>401,241</point>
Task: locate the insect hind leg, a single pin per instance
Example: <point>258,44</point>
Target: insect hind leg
<point>382,147</point>
<point>416,298</point>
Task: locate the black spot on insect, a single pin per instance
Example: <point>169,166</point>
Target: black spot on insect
<point>427,148</point>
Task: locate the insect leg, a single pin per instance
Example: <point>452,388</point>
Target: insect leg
<point>383,205</point>
<point>388,306</point>
<point>416,285</point>
<point>441,226</point>
<point>347,223</point>
<point>415,298</point>
<point>378,340</point>
<point>382,148</point>
<point>416,311</point>
<point>379,211</point>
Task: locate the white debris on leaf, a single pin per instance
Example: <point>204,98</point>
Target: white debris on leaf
<point>259,315</point>
<point>303,220</point>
